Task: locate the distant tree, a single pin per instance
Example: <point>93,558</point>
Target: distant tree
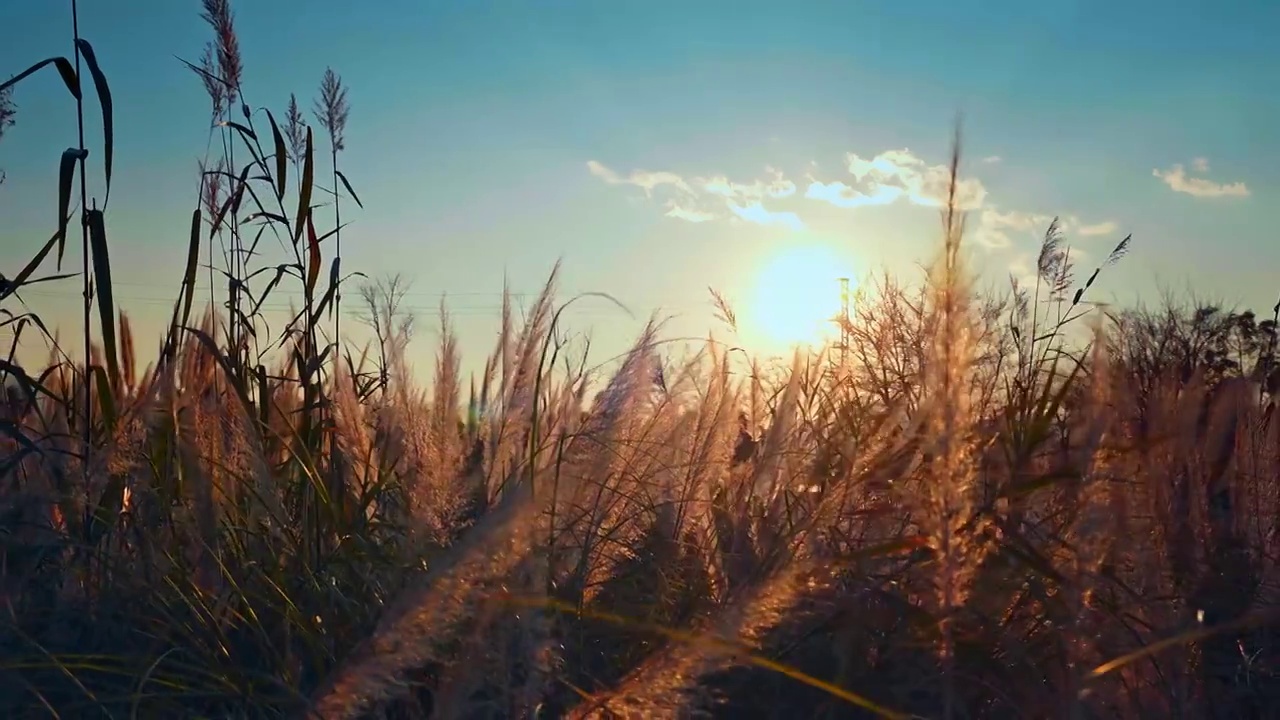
<point>7,112</point>
<point>1177,341</point>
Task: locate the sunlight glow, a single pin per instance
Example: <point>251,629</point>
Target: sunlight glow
<point>796,296</point>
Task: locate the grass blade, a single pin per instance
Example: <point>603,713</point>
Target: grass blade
<point>248,133</point>
<point>65,69</point>
<point>282,158</point>
<point>236,199</point>
<point>30,385</point>
<point>743,651</point>
<point>106,398</point>
<point>66,173</point>
<point>104,99</point>
<point>350,191</point>
<point>106,300</point>
<point>313,257</point>
<point>107,510</point>
<point>193,263</point>
<point>211,346</point>
<point>11,286</point>
<point>304,190</point>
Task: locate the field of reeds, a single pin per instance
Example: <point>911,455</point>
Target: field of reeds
<point>1014,506</point>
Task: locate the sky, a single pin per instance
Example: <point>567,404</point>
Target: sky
<point>660,148</point>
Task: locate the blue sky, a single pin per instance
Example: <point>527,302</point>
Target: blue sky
<point>493,138</point>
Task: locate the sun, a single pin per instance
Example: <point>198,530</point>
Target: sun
<point>796,297</point>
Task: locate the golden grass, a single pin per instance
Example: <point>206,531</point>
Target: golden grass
<point>962,514</point>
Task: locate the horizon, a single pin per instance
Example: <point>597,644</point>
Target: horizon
<point>660,158</point>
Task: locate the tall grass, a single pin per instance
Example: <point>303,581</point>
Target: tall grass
<point>964,513</point>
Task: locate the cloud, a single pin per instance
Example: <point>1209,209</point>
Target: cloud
<point>1177,179</point>
<point>758,214</point>
<point>893,175</point>
<point>1023,268</point>
<point>1022,271</point>
<point>777,187</point>
<point>693,215</point>
<point>643,179</point>
<point>703,199</point>
<point>995,227</point>
<point>841,195</point>
<point>1102,228</point>
<point>991,159</point>
<point>890,177</point>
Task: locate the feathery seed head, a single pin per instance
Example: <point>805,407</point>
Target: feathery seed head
<point>295,129</point>
<point>331,109</point>
<point>217,13</point>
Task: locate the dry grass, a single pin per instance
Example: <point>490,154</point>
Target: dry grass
<point>967,516</point>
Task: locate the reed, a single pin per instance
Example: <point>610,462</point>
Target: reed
<point>968,512</point>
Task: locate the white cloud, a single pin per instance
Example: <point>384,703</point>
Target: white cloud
<point>693,215</point>
<point>599,170</point>
<point>734,199</point>
<point>778,187</point>
<point>992,159</point>
<point>643,179</point>
<point>758,214</point>
<point>841,195</point>
<point>1102,228</point>
<point>896,174</point>
<point>1177,179</point>
<point>1022,271</point>
<point>1016,220</point>
<point>889,177</point>
<point>995,227</point>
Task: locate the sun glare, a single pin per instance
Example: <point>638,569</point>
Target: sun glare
<point>796,297</point>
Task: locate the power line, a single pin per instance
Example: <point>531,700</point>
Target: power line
<point>436,295</point>
<point>407,293</point>
<point>280,306</point>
